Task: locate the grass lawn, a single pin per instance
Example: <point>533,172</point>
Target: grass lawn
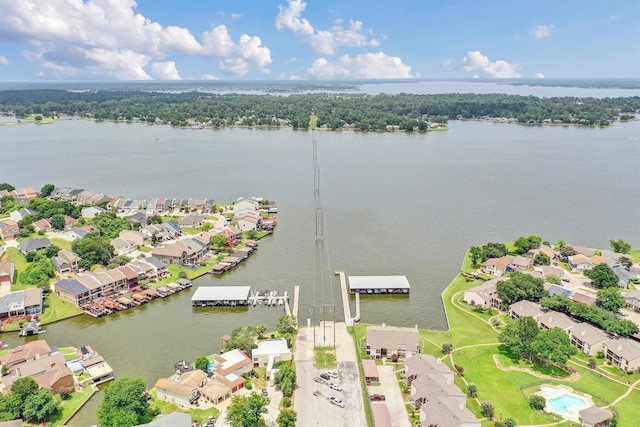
<point>61,243</point>
<point>200,415</point>
<point>630,407</point>
<point>57,309</point>
<point>324,357</point>
<point>69,353</point>
<point>70,405</point>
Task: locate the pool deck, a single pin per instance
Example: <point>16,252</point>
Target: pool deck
<point>572,412</point>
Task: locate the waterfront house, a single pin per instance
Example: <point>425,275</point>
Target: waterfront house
<point>496,267</point>
<point>7,272</point>
<point>597,259</point>
<point>632,299</point>
<point>192,220</point>
<point>215,392</point>
<point>269,352</point>
<point>581,250</point>
<point>137,237</point>
<point>524,308</point>
<point>171,391</point>
<point>579,263</point>
<point>137,217</point>
<point>229,368</point>
<point>424,364</point>
<point>249,203</point>
<point>521,263</point>
<point>623,275</point>
<point>130,275</point>
<point>542,249</point>
<point>73,291</point>
<point>33,245</point>
<point>21,303</point>
<point>587,338</point>
<point>623,353</point>
<point>485,295</point>
<point>176,254</point>
<point>95,366</point>
<point>9,230</point>
<point>248,222</point>
<point>66,262</point>
<point>159,267</point>
<point>385,341</point>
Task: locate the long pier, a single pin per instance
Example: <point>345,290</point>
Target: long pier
<point>345,298</point>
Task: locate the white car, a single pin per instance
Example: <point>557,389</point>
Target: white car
<point>332,374</point>
<point>337,402</point>
<point>336,387</point>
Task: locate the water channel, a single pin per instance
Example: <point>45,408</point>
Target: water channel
<point>394,204</point>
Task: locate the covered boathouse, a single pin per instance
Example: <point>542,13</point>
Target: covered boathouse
<point>208,296</point>
<point>379,285</point>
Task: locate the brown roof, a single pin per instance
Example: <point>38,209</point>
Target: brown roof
<point>174,387</point>
<point>595,415</point>
<point>25,351</point>
<point>193,378</point>
<point>370,369</point>
<point>586,299</point>
<point>392,337</point>
<point>381,416</point>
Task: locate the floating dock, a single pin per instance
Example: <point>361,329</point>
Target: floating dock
<point>210,296</point>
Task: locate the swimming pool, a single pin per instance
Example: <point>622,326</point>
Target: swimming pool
<point>560,405</point>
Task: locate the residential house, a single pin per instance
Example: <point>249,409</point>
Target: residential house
<point>137,217</point>
<point>192,220</point>
<point>159,267</point>
<point>75,233</point>
<point>548,270</point>
<point>66,262</point>
<point>38,361</point>
<point>623,275</point>
<point>524,308</point>
<point>370,370</point>
<point>588,252</point>
<point>21,303</point>
<point>632,299</point>
<point>42,225</point>
<point>73,291</point>
<point>521,263</point>
<point>584,298</point>
<point>130,275</point>
<point>635,271</point>
<point>595,417</point>
<point>7,272</point>
<point>385,341</point>
<point>485,295</point>
<point>173,392</point>
<point>91,211</point>
<point>587,338</point>
<point>542,249</point>
<point>137,237</point>
<point>249,203</point>
<point>553,289</point>
<point>429,386</point>
<point>20,214</point>
<point>37,244</point>
<point>248,221</point>
<point>229,368</point>
<point>233,235</point>
<point>446,411</point>
<point>176,254</point>
<point>623,353</point>
<point>269,352</point>
<point>579,263</point>
<point>496,266</point>
<point>423,364</point>
<point>123,246</point>
<point>553,319</point>
<point>9,230</point>
<point>158,232</point>
<point>597,259</point>
<point>174,419</point>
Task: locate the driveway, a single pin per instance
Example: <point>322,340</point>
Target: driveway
<point>394,400</point>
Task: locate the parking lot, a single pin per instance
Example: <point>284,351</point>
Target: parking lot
<point>312,402</point>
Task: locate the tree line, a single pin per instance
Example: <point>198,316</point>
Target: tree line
<point>409,112</point>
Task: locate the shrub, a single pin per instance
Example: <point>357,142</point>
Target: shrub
<point>459,369</point>
<point>510,422</point>
<point>446,348</point>
<point>487,409</point>
<point>394,357</point>
<point>248,385</point>
<point>592,363</point>
<point>286,402</point>
<point>537,402</point>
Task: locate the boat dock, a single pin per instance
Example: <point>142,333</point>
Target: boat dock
<point>209,296</point>
<point>348,320</point>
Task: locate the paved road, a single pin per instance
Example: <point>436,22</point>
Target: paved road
<point>394,399</point>
<point>318,410</point>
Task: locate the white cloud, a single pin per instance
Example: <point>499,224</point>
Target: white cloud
<point>446,63</point>
<point>4,60</point>
<point>208,77</point>
<point>498,69</point>
<point>165,70</point>
<point>541,31</point>
<point>539,76</point>
<point>366,66</point>
<point>108,39</point>
<point>324,42</point>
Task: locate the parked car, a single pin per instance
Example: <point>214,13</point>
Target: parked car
<point>265,392</point>
<point>336,387</point>
<point>337,402</point>
<point>332,374</point>
<point>377,397</point>
<point>324,376</point>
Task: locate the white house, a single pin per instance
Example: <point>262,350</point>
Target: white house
<point>270,351</point>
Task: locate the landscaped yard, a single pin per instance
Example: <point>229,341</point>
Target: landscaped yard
<point>324,357</point>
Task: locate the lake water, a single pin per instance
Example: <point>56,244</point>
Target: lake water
<point>393,204</point>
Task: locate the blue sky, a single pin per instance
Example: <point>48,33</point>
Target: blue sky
<point>317,39</point>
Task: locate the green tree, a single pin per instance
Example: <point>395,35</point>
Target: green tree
<point>286,378</point>
<point>510,422</point>
<point>476,255</point>
<point>124,403</point>
<point>51,251</point>
<point>446,348</point>
<point>552,278</point>
<point>109,224</point>
<point>121,260</point>
<point>154,219</point>
<point>7,187</point>
<point>472,390</point>
<point>218,241</point>
<point>610,299</point>
<point>46,190</point>
<point>519,335</point>
<point>58,222</point>
<point>620,246</point>
<point>93,249</point>
<point>246,411</point>
<point>261,329</point>
<point>522,245</point>
<point>38,272</point>
<point>41,406</point>
<point>487,409</point>
<point>557,303</point>
<point>553,345</point>
<point>243,338</point>
<point>494,250</point>
<point>23,388</point>
<point>287,418</point>
<point>537,402</point>
<point>287,327</point>
<point>541,259</point>
<point>521,286</point>
<point>202,363</point>
<point>602,276</point>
